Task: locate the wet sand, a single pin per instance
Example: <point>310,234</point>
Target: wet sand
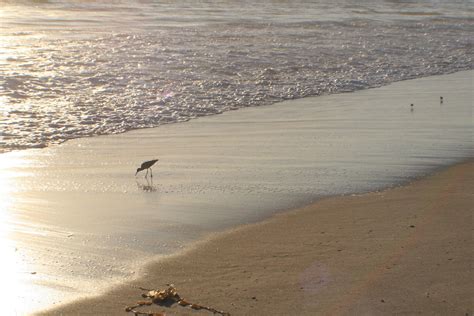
<point>75,220</point>
<point>406,250</point>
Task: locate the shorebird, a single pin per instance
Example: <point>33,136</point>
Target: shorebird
<point>147,165</point>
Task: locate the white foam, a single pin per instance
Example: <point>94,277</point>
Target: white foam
<point>97,78</point>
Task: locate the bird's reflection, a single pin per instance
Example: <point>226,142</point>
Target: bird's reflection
<point>146,185</point>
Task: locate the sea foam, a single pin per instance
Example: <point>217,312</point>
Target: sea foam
<point>71,78</point>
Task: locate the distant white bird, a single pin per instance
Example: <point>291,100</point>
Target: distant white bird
<point>147,165</point>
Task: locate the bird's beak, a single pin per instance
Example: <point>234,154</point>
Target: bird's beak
<point>136,173</point>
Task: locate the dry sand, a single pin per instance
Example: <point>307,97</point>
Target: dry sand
<point>406,250</point>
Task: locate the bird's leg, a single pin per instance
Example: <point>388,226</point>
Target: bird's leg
<point>146,175</point>
<point>151,172</point>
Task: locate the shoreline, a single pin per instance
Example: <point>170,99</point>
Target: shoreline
<point>425,76</point>
<point>214,174</point>
<point>391,264</point>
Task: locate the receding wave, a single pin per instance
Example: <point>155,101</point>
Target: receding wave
<point>88,82</point>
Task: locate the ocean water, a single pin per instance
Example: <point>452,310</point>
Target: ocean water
<point>71,69</point>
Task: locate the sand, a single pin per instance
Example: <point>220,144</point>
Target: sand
<point>406,250</point>
<point>76,220</point>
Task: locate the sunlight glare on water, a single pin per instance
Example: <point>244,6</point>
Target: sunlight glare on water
<point>70,69</point>
<point>18,293</point>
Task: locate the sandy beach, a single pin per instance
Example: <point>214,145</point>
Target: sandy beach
<point>77,222</point>
<point>406,250</point>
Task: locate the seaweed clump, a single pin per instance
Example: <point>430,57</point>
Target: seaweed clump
<point>166,297</point>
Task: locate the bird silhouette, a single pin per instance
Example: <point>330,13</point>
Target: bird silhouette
<point>147,165</point>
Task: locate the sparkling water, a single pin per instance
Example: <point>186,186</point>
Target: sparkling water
<point>71,69</point>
